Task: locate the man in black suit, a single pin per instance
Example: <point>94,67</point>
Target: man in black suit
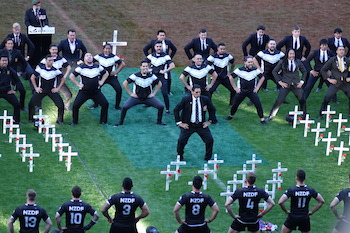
<point>257,42</point>
<point>297,43</point>
<point>338,40</point>
<point>37,17</point>
<point>200,45</point>
<point>71,48</point>
<point>320,57</point>
<point>339,79</point>
<point>192,120</point>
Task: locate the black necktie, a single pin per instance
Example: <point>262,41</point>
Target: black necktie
<point>323,57</point>
<point>291,66</point>
<point>17,40</point>
<point>197,111</point>
<point>338,43</point>
<point>296,44</point>
<point>202,42</point>
<point>10,55</point>
<point>260,41</point>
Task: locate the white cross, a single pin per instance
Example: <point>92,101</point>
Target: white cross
<point>274,181</point>
<point>234,182</point>
<point>205,172</point>
<point>41,118</point>
<point>177,164</point>
<point>5,119</point>
<point>295,114</point>
<point>329,140</point>
<point>328,115</point>
<point>55,141</point>
<point>115,42</point>
<point>215,161</point>
<point>69,155</point>
<point>318,130</point>
<point>46,129</point>
<point>279,171</point>
<point>244,172</point>
<point>31,162</point>
<point>227,194</point>
<point>12,135</point>
<point>307,123</point>
<point>340,120</point>
<point>253,162</point>
<point>168,176</point>
<point>20,145</point>
<point>31,153</point>
<point>341,154</point>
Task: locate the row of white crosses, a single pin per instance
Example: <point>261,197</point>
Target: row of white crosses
<point>169,173</point>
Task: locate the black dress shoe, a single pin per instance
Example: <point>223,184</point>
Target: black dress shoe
<point>24,109</point>
<point>160,123</point>
<point>118,124</point>
<point>263,122</point>
<point>228,118</point>
<point>104,123</point>
<point>93,106</point>
<point>269,118</point>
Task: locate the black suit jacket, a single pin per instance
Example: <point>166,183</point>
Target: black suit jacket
<point>24,40</point>
<point>288,43</point>
<point>332,65</point>
<point>16,58</point>
<point>195,45</point>
<point>332,46</point>
<point>31,19</point>
<point>67,53</point>
<point>169,46</point>
<point>315,55</point>
<point>185,107</point>
<point>254,47</point>
<point>281,72</point>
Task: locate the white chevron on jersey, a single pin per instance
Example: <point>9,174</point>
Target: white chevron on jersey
<point>143,82</point>
<point>158,61</point>
<point>271,58</point>
<point>198,73</point>
<point>106,61</point>
<point>247,75</point>
<point>89,71</point>
<point>222,63</point>
<point>47,74</point>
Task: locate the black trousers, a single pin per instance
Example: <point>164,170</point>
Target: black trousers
<point>12,99</point>
<point>36,99</point>
<point>114,83</point>
<point>311,83</point>
<point>226,83</point>
<point>298,92</point>
<point>165,92</point>
<point>268,76</point>
<point>332,90</point>
<point>22,93</point>
<point>239,97</point>
<point>205,135</point>
<point>98,97</point>
<point>132,101</point>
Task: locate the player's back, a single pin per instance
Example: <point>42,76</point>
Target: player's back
<point>29,217</point>
<point>300,199</point>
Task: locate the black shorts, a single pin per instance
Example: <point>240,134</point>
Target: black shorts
<point>302,222</point>
<point>343,225</point>
<point>117,227</point>
<point>238,226</point>
<point>186,229</point>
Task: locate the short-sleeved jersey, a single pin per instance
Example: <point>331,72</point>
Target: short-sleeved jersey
<point>48,77</point>
<point>344,196</point>
<point>75,211</point>
<point>143,83</point>
<point>300,198</point>
<point>158,62</point>
<point>195,207</point>
<point>220,63</point>
<point>247,80</point>
<point>90,75</point>
<point>29,217</point>
<point>249,198</point>
<point>268,60</point>
<point>59,62</point>
<point>198,75</point>
<point>125,207</point>
<point>108,61</point>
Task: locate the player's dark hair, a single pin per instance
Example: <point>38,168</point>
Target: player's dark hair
<point>337,30</point>
<point>197,182</point>
<point>76,191</point>
<point>203,30</point>
<point>48,56</point>
<point>251,178</point>
<point>143,61</point>
<point>247,57</point>
<point>31,194</point>
<point>295,28</point>
<point>152,229</point>
<point>301,175</point>
<point>127,183</point>
<point>9,39</point>
<point>71,30</point>
<point>161,31</point>
<point>261,27</point>
<point>323,41</point>
<point>53,45</point>
<point>107,44</point>
<point>195,86</point>
<point>4,54</point>
<point>221,44</point>
<point>157,42</point>
<point>285,59</point>
<point>271,39</point>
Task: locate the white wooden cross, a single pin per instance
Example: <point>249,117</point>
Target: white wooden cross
<point>5,119</point>
<point>30,154</point>
<point>329,140</point>
<point>279,171</point>
<point>227,194</point>
<point>253,162</point>
<point>205,173</point>
<point>168,176</point>
<point>234,182</point>
<point>340,120</point>
<point>341,154</point>
<point>274,181</point>
<point>57,138</point>
<point>328,113</point>
<point>69,155</point>
<point>295,114</point>
<point>48,134</point>
<point>318,130</point>
<point>244,172</point>
<point>20,145</point>
<point>115,42</point>
<point>12,135</point>
<point>215,161</point>
<point>307,123</point>
<point>177,164</point>
<point>41,118</point>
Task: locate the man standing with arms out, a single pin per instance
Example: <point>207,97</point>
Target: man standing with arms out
<point>224,64</point>
<point>161,65</point>
<point>71,48</point>
<point>247,86</point>
<point>200,45</point>
<point>50,81</point>
<point>197,73</point>
<point>167,46</point>
<point>343,225</point>
<point>338,41</point>
<point>92,78</point>
<point>299,214</point>
<point>125,203</point>
<point>196,203</point>
<point>339,79</point>
<point>76,211</point>
<point>192,120</point>
<point>29,216</point>
<point>297,43</point>
<point>8,77</point>
<point>249,198</point>
<point>142,93</point>
<point>257,41</point>
<point>266,61</point>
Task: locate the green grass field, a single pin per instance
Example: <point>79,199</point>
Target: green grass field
<point>141,149</point>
